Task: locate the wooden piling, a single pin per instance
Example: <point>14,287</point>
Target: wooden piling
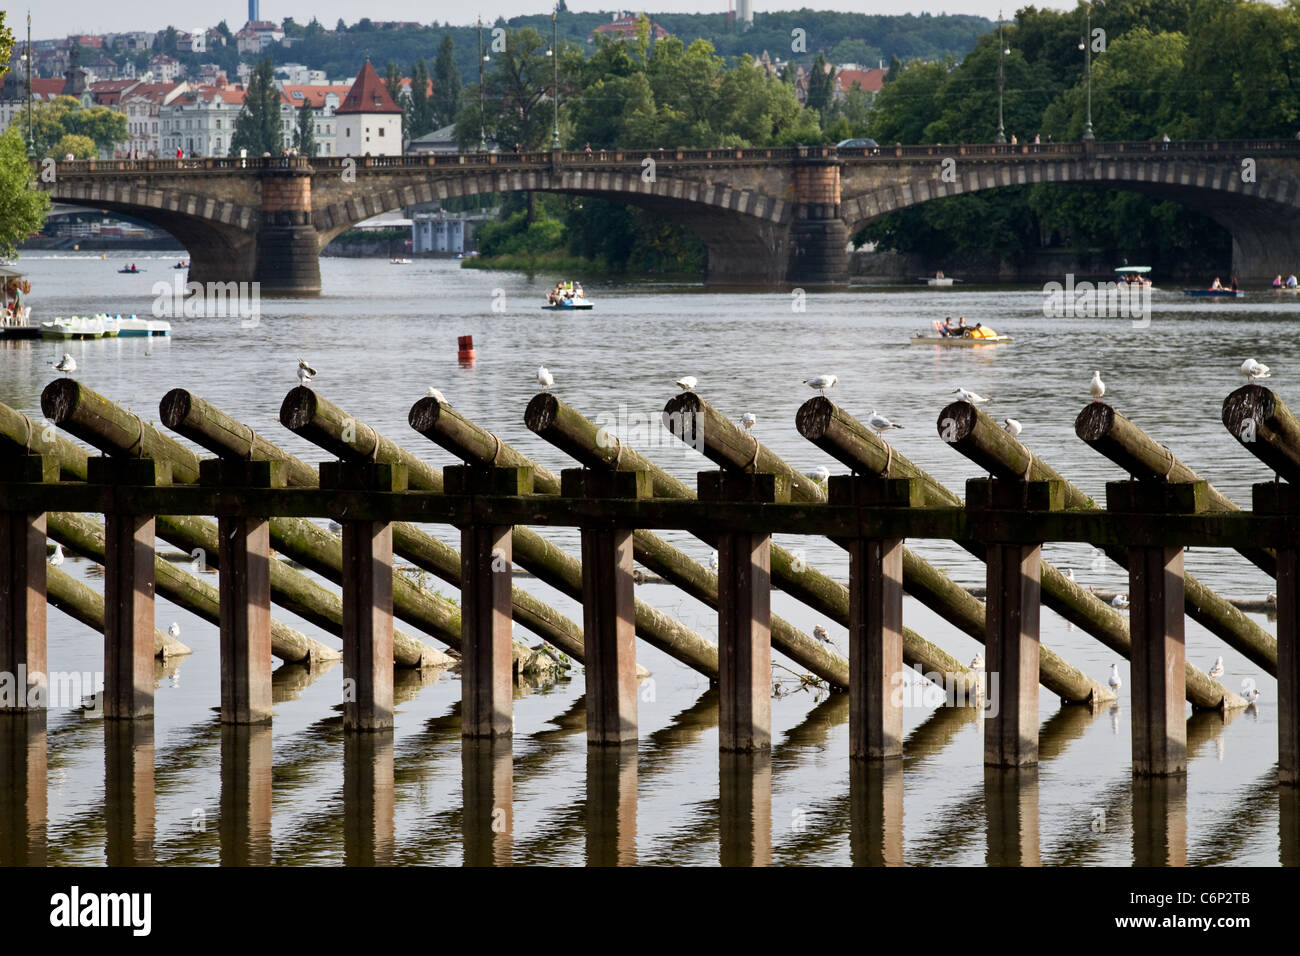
<point>980,439</point>
<point>1263,424</point>
<point>609,607</point>
<point>23,589</point>
<point>367,599</point>
<point>1272,498</point>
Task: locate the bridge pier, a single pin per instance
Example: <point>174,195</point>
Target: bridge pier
<point>819,238</point>
<point>288,249</point>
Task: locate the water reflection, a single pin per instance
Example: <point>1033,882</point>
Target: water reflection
<point>23,783</point>
<point>487,815</point>
<point>876,812</point>
<point>745,808</point>
<point>129,792</point>
<point>1011,816</point>
<point>1160,820</point>
<point>611,805</point>
<point>1288,826</point>
<point>245,822</point>
<point>368,798</point>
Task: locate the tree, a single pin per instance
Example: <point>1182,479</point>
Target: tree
<point>224,29</point>
<point>80,147</point>
<point>22,210</point>
<point>257,128</point>
<point>340,27</point>
<point>821,84</point>
<point>169,40</point>
<point>47,120</point>
<point>106,127</point>
<point>305,137</point>
<point>420,106</point>
<point>446,84</point>
<point>513,90</point>
<point>393,80</point>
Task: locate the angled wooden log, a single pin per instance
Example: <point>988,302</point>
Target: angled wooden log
<point>552,565</point>
<point>86,605</point>
<point>118,432</point>
<point>1258,418</point>
<point>1127,445</point>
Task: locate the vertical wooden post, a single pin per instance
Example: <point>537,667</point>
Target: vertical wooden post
<point>368,798</point>
<point>245,824</point>
<point>367,597</point>
<point>1011,816</point>
<point>744,614</point>
<point>608,606</point>
<point>1279,499</point>
<point>876,812</point>
<point>22,590</point>
<point>875,620</point>
<point>1158,656</point>
<point>611,806</point>
<point>1160,820</point>
<point>128,586</point>
<point>1011,645</point>
<point>245,589</point>
<point>24,766</point>
<point>129,792</point>
<point>1288,825</point>
<point>745,808</point>
<point>487,613</point>
<point>487,784</point>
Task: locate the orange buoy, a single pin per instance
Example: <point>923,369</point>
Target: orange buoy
<point>465,348</point>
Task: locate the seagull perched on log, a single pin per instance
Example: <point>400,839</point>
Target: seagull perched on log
<point>1069,573</point>
<point>879,423</point>
<point>1012,426</point>
<point>57,557</point>
<point>174,630</point>
<point>1253,370</point>
<point>821,474</point>
<point>1114,682</point>
<point>305,372</point>
<point>1120,601</point>
<point>821,383</point>
<point>713,561</point>
<point>749,420</point>
<point>67,365</point>
<point>1216,669</point>
<point>977,662</point>
<point>545,378</point>
<point>1252,696</point>
<point>687,383</point>
<point>1097,387</point>
<point>434,393</point>
<point>969,396</point>
<point>821,634</point>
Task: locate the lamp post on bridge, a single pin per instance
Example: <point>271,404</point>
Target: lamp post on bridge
<point>31,141</point>
<point>1002,56</point>
<point>1086,47</point>
<point>482,58</point>
<point>554,54</point>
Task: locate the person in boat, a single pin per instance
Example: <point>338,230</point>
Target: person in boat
<point>1216,285</point>
<point>1277,281</point>
<point>577,291</point>
<point>962,327</point>
<point>1291,281</point>
<point>947,329</point>
<point>1233,284</point>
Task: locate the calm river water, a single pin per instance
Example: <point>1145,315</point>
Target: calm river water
<point>381,334</point>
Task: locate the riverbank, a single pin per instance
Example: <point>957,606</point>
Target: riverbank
<point>1044,265</point>
<point>559,263</point>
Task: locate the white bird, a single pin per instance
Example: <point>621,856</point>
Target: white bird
<point>305,372</point>
<point>821,634</point>
<point>821,474</point>
<point>434,393</point>
<point>713,561</point>
<point>1069,573</point>
<point>544,377</point>
<point>174,630</point>
<point>1013,426</point>
<point>687,383</point>
<point>335,527</point>
<point>749,419</point>
<point>1097,387</point>
<point>977,662</point>
<point>1114,682</point>
<point>1216,669</point>
<point>57,557</point>
<point>1271,599</point>
<point>1252,696</point>
<point>968,396</point>
<point>1253,370</point>
<point>821,382</point>
<point>1120,601</point>
<point>880,423</point>
<point>67,365</point>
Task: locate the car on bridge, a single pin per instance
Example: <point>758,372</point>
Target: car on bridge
<point>857,144</point>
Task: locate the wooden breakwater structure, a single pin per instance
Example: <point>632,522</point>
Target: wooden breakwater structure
<point>147,484</point>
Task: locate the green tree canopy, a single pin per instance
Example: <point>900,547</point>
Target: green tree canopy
<point>446,84</point>
<point>304,138</point>
<point>257,128</point>
<point>22,210</point>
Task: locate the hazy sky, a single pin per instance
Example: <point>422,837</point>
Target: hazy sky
<point>58,18</point>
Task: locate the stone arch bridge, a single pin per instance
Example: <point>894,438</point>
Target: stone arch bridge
<point>765,215</point>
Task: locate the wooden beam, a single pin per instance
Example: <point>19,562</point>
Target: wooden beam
<point>23,593</point>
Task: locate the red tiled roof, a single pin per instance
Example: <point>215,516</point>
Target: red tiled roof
<point>368,95</point>
<point>52,87</point>
<point>870,80</point>
<point>314,93</point>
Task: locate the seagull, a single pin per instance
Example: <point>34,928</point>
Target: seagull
<point>977,662</point>
<point>335,527</point>
<point>305,372</point>
<point>174,630</point>
<point>544,377</point>
<point>67,365</point>
<point>1216,671</point>
<point>1069,573</point>
<point>821,634</point>
<point>821,383</point>
<point>687,383</point>
<point>1253,370</point>
<point>968,396</point>
<point>820,474</point>
<point>1013,426</point>
<point>1114,682</point>
<point>749,419</point>
<point>1252,696</point>
<point>1271,599</point>
<point>57,557</point>
<point>434,393</point>
<point>1120,601</point>
<point>713,561</point>
<point>1097,387</point>
<point>880,423</point>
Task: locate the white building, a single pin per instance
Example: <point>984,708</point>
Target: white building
<point>368,122</point>
<point>431,232</point>
<point>142,105</point>
<point>325,100</point>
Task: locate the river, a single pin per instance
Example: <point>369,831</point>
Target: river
<point>380,335</point>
